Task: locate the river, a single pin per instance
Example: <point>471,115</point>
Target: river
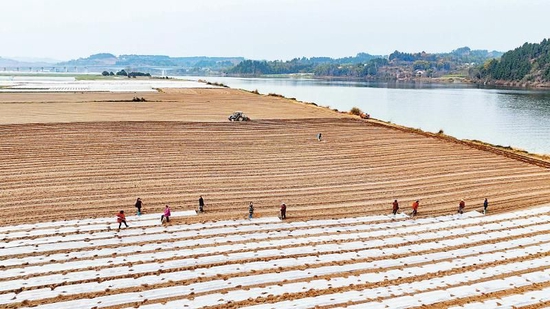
<point>517,118</point>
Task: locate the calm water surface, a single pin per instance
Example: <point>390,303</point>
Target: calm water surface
<point>518,118</point>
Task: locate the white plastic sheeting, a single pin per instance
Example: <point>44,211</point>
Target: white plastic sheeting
<point>328,248</point>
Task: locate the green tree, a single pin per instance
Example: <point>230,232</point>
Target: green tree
<point>421,65</point>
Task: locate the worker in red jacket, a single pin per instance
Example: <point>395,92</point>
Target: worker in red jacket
<point>395,207</point>
<point>415,207</point>
<point>461,207</point>
<point>121,218</point>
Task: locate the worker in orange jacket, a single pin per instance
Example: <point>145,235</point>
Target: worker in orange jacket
<point>415,207</point>
<point>121,218</point>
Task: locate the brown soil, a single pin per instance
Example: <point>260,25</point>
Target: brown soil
<point>68,156</point>
<point>187,105</point>
<point>91,169</point>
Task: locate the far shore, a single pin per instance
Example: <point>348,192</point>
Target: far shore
<point>443,80</point>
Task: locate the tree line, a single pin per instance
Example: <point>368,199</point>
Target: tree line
<point>369,69</point>
<point>296,65</point>
<point>124,73</point>
<point>529,62</point>
<point>368,66</point>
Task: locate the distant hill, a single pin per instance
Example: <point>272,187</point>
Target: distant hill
<point>93,60</point>
<point>152,61</point>
<point>296,65</point>
<point>397,65</point>
<point>529,63</point>
<point>35,60</point>
<point>23,63</point>
<point>462,55</point>
<point>5,62</point>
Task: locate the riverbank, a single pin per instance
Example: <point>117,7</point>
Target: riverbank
<point>516,84</point>
<point>509,151</point>
<point>454,79</point>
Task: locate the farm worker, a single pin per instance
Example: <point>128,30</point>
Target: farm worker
<point>283,211</point>
<point>201,204</point>
<point>461,207</point>
<point>415,207</point>
<point>395,207</point>
<point>121,218</point>
<point>250,210</point>
<point>485,205</point>
<point>166,215</point>
<point>138,206</point>
<point>319,136</point>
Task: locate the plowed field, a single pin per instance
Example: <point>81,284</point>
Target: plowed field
<point>60,168</point>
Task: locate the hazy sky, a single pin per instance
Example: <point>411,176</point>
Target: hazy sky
<point>265,29</point>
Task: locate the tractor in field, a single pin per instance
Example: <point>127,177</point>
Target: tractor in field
<point>238,116</point>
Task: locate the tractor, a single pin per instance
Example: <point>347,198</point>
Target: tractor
<point>238,116</point>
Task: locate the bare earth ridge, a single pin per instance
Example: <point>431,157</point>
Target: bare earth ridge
<point>86,156</point>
